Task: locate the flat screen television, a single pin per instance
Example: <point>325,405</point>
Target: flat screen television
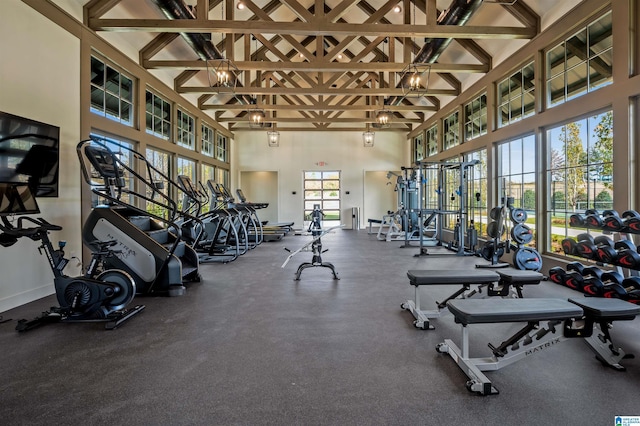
<point>16,198</point>
<point>29,153</point>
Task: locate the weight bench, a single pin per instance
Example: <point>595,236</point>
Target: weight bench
<point>371,222</point>
<point>549,321</point>
<point>497,283</point>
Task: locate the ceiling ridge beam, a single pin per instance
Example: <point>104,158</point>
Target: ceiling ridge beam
<point>313,28</point>
<point>386,91</point>
<point>316,66</point>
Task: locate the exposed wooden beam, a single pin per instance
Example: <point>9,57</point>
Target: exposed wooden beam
<point>312,91</point>
<point>315,107</point>
<point>316,66</point>
<point>319,119</point>
<point>314,28</point>
<point>97,8</point>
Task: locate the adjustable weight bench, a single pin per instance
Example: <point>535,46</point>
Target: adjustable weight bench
<point>497,283</point>
<point>549,321</point>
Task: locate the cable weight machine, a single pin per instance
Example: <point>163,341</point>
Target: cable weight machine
<point>465,235</point>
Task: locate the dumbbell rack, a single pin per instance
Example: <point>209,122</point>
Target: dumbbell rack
<point>621,254</point>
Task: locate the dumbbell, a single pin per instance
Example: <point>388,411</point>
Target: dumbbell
<point>557,275</point>
<point>633,297</point>
<point>613,288</point>
<point>631,284</point>
<point>591,283</point>
<point>585,246</point>
<point>576,220</point>
<point>592,271</point>
<point>593,286</point>
<point>628,256</point>
<point>632,287</point>
<point>613,222</point>
<point>605,249</point>
<point>632,221</point>
<point>592,219</point>
<point>576,266</point>
<point>569,246</point>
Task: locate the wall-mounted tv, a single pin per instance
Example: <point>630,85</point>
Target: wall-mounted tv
<point>29,153</point>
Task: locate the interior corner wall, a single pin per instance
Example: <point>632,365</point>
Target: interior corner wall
<point>319,151</point>
<point>40,80</point>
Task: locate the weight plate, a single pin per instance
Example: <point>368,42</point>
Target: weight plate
<point>527,259</point>
<point>495,213</point>
<point>518,215</point>
<point>488,251</point>
<point>493,230</point>
<point>521,234</point>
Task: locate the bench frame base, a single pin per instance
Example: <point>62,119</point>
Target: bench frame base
<point>534,338</point>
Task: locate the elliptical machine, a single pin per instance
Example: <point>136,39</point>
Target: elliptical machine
<point>98,296</point>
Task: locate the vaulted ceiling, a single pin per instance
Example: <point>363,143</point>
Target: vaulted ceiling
<point>320,64</point>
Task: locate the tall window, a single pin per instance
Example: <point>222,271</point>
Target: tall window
<point>516,96</point>
<point>111,93</point>
<point>187,167</point>
<point>222,151</point>
<point>451,133</point>
<point>207,140</point>
<point>580,170</point>
<point>186,129</point>
<point>207,172</point>
<point>475,118</point>
<point>477,184</point>
<point>418,147</point>
<point>125,156</point>
<point>450,185</point>
<point>432,140</point>
<point>581,63</point>
<point>161,161</point>
<point>323,188</point>
<point>223,176</point>
<point>158,116</point>
<point>516,175</point>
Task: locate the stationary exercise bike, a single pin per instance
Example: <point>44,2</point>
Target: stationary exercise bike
<point>97,296</point>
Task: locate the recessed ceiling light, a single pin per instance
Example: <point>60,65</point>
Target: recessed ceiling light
<point>240,5</point>
<point>397,8</point>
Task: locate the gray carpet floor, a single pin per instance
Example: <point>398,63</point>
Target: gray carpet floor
<point>250,346</point>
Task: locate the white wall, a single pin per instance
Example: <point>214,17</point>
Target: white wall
<point>39,80</point>
<point>262,187</point>
<point>298,152</point>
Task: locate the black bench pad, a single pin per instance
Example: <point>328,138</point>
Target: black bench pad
<point>607,309</point>
<point>516,276</point>
<point>448,276</point>
<point>477,311</point>
<point>374,220</point>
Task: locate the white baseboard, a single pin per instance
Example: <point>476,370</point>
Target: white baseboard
<point>25,297</point>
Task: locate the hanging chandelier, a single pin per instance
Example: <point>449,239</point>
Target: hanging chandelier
<point>223,75</point>
<point>414,79</point>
